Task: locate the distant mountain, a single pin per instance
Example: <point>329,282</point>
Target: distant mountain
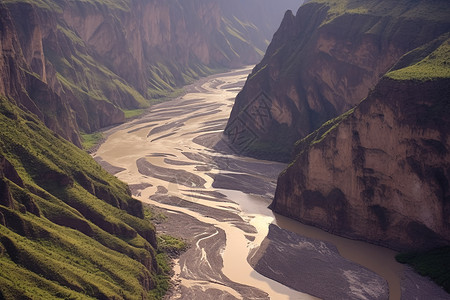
<point>84,65</point>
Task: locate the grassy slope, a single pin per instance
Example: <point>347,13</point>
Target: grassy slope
<point>60,240</point>
<point>433,66</point>
<point>436,10</point>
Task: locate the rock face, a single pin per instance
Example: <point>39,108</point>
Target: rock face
<point>322,62</point>
<point>381,171</point>
<point>27,89</point>
<point>80,64</point>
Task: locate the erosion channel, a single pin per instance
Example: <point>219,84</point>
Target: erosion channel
<point>174,158</point>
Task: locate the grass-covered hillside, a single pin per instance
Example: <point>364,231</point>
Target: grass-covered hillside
<point>425,63</point>
<point>68,229</point>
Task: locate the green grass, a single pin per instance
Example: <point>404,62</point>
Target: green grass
<point>434,66</point>
<point>434,264</point>
<point>133,113</point>
<point>171,245</point>
<point>326,128</point>
<point>407,9</point>
<point>90,140</point>
<point>73,230</point>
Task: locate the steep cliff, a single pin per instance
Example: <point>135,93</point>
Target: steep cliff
<point>68,229</point>
<point>381,171</point>
<point>24,81</point>
<point>82,64</point>
<point>322,62</point>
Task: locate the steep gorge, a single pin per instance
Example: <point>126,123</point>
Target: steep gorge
<point>322,62</point>
<point>68,229</point>
<point>356,95</point>
<point>379,171</point>
<point>100,59</point>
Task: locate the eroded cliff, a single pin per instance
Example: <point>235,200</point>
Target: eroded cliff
<point>84,64</point>
<point>380,172</point>
<point>322,62</point>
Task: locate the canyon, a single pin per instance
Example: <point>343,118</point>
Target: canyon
<point>83,65</point>
<point>176,160</point>
<point>379,170</point>
<point>342,125</point>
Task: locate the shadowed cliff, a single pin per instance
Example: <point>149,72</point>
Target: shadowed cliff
<point>380,172</point>
<point>322,62</point>
<point>85,65</point>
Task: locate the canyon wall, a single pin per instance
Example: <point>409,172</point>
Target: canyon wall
<point>83,64</point>
<point>355,94</point>
<point>322,62</point>
<point>380,172</point>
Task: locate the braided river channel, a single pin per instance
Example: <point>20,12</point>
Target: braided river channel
<point>174,159</point>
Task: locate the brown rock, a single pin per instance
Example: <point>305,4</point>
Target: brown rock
<point>379,174</point>
<point>319,65</point>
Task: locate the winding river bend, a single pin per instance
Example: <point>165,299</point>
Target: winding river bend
<point>174,159</point>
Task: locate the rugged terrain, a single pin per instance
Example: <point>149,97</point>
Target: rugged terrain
<point>363,87</point>
<point>322,62</point>
<point>67,227</point>
<point>380,172</point>
<point>84,65</point>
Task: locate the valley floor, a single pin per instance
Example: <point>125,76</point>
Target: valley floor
<point>174,159</point>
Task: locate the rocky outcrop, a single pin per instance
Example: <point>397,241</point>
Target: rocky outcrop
<point>381,172</point>
<point>322,62</point>
<point>24,81</point>
<point>82,63</point>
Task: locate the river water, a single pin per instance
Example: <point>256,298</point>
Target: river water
<point>168,159</point>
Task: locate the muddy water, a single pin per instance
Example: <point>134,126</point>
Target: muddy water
<point>167,159</point>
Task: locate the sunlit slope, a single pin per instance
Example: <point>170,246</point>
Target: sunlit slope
<point>68,229</point>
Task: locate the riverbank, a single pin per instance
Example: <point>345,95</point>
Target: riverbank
<point>175,159</point>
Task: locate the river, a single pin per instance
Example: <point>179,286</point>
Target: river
<point>173,158</point>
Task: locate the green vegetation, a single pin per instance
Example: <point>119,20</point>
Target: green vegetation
<point>43,4</point>
<point>408,9</point>
<point>91,140</point>
<point>321,133</point>
<point>318,135</point>
<point>435,65</point>
<point>68,229</point>
<point>434,264</point>
<point>133,113</point>
<point>153,217</point>
<point>171,245</point>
